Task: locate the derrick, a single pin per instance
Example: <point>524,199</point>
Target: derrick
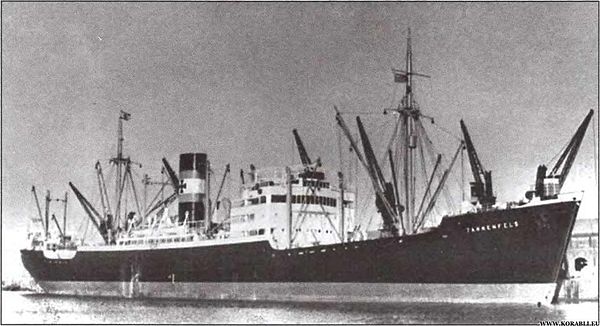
<point>174,180</point>
<point>227,170</point>
<point>301,150</point>
<point>481,188</point>
<point>382,203</point>
<point>39,209</point>
<point>101,225</point>
<point>386,198</point>
<point>548,186</point>
<point>565,162</point>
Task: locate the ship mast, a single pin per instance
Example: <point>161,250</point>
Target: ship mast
<point>120,162</point>
<point>410,114</point>
<point>413,135</point>
<point>409,138</point>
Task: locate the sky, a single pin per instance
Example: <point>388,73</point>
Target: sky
<point>233,79</point>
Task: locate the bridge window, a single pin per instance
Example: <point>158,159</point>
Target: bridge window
<point>278,198</point>
<point>312,175</point>
<point>312,200</point>
<point>257,200</point>
<point>318,184</point>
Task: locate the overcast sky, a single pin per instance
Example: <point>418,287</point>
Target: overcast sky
<point>233,80</point>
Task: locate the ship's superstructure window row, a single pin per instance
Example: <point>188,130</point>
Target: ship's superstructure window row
<point>318,184</point>
<point>302,199</point>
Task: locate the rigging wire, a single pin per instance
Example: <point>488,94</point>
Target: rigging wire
<point>382,159</point>
<point>430,150</point>
<point>445,130</point>
<point>462,175</point>
<point>366,205</point>
<point>87,226</point>
<point>360,113</point>
<point>339,145</point>
<point>426,194</point>
<point>399,159</point>
<point>81,223</point>
<point>559,152</point>
<point>594,135</point>
<point>421,130</point>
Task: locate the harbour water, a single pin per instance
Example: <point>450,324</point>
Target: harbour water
<point>27,307</point>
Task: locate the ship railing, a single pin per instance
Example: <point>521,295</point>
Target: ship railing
<point>560,197</point>
<point>149,230</point>
<point>575,195</point>
<point>270,176</point>
<point>180,232</point>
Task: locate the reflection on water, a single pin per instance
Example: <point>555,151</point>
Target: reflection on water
<point>19,307</point>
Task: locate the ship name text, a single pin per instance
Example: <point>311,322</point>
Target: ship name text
<point>492,227</point>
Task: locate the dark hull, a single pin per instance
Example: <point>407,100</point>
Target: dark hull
<point>522,245</point>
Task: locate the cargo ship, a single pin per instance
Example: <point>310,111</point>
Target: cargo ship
<point>293,234</point>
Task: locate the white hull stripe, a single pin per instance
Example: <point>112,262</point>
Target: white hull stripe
<point>172,245</point>
<point>309,292</point>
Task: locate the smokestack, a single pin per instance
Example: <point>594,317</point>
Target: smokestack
<point>192,192</point>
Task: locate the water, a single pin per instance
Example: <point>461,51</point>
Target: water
<point>23,307</point>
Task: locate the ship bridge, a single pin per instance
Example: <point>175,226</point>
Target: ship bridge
<point>305,212</point>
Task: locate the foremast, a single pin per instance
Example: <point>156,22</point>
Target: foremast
<point>123,175</point>
<point>110,223</point>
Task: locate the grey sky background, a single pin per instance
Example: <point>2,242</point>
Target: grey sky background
<point>233,80</point>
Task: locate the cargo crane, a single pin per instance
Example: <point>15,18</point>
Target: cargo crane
<point>390,217</point>
<point>303,155</point>
<point>147,181</point>
<point>174,181</point>
<point>37,203</point>
<point>103,226</point>
<point>548,186</point>
<point>227,170</point>
<point>481,189</point>
<point>388,214</point>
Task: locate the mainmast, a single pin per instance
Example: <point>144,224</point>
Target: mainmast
<point>410,114</point>
<point>409,138</point>
<point>412,136</point>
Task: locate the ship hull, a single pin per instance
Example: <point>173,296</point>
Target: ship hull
<point>311,292</point>
<point>499,251</point>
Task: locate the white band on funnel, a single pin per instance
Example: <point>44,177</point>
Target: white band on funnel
<point>192,186</point>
